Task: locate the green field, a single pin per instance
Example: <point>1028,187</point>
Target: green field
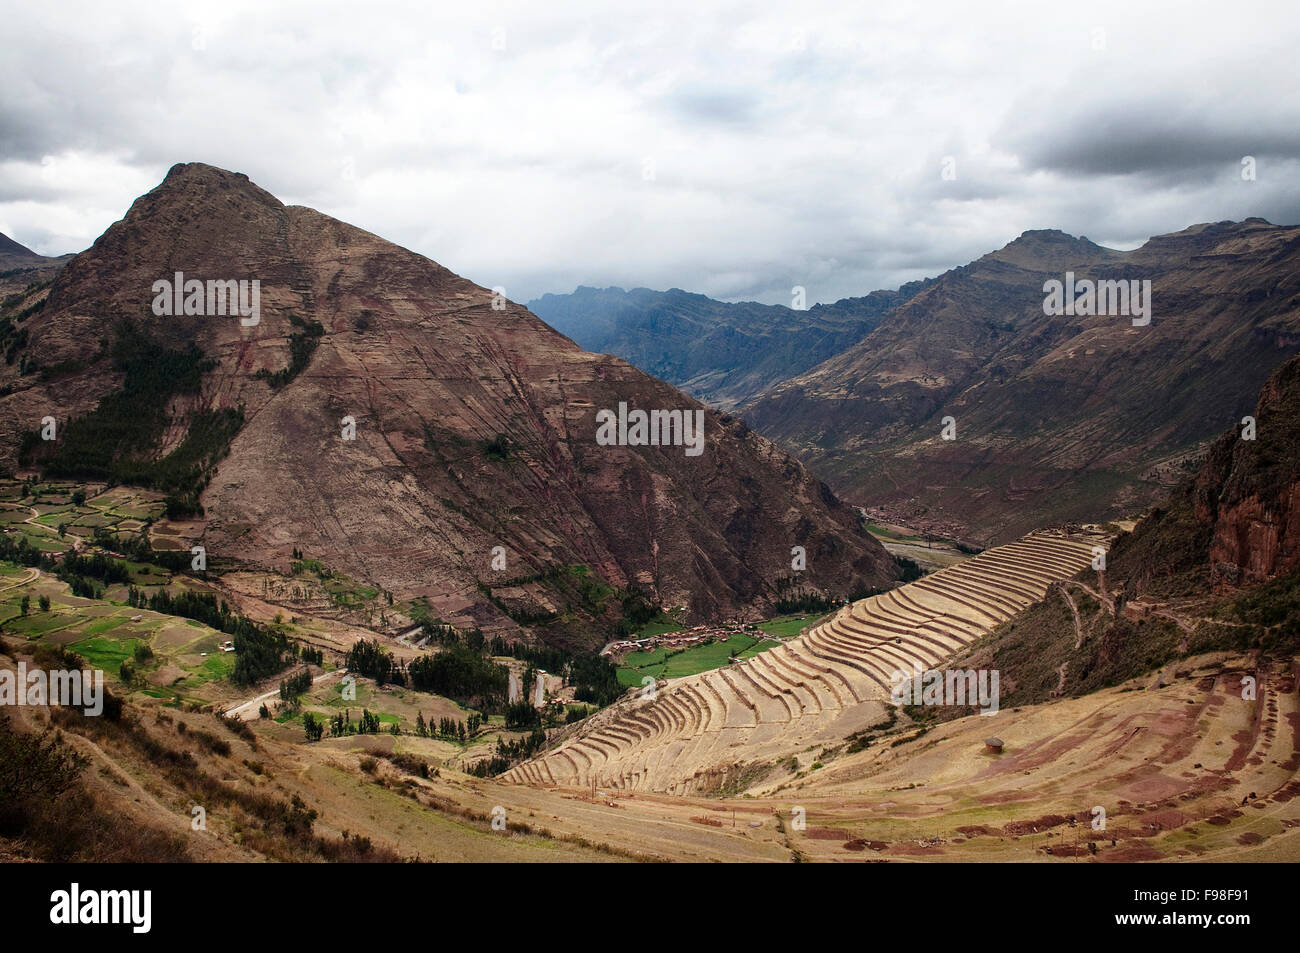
<point>676,663</point>
<point>788,626</point>
<point>658,627</point>
<point>106,654</point>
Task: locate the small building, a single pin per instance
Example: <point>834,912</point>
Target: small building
<point>993,745</point>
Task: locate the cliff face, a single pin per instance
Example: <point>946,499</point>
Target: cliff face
<point>475,427</point>
<point>1056,416</point>
<point>1216,567</point>
<point>1256,519</point>
<point>1235,522</point>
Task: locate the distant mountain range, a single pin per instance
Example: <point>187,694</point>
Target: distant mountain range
<point>720,352</point>
<point>1055,417</point>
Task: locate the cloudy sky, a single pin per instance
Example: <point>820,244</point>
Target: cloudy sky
<point>735,149</point>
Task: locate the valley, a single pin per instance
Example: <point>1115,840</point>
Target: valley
<point>326,560</point>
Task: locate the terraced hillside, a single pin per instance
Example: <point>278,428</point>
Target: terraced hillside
<point>706,732</point>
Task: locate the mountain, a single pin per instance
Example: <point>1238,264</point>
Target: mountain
<point>11,249</point>
<point>1057,417</point>
<point>1214,568</point>
<point>19,265</point>
<point>720,352</point>
<point>475,428</point>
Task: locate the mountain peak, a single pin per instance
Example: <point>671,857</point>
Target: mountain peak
<point>198,182</point>
<point>10,247</point>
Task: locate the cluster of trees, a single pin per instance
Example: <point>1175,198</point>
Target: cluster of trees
<point>77,571</point>
<point>17,549</point>
<point>448,728</point>
<point>509,752</point>
<point>129,671</point>
<point>113,441</point>
<point>456,672</point>
<point>342,724</point>
<point>462,674</point>
<point>908,569</point>
<point>522,714</point>
<point>302,343</point>
<point>368,658</point>
<point>294,686</point>
<point>260,650</point>
<point>594,678</point>
<point>138,548</point>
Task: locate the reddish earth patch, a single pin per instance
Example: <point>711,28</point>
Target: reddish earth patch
<point>1128,855</point>
<point>1249,838</point>
<point>979,830</point>
<point>1165,820</point>
<point>1244,743</point>
<point>1066,850</point>
<point>1157,787</point>
<point>826,833</point>
<point>1284,794</point>
<point>708,821</point>
<point>1036,826</point>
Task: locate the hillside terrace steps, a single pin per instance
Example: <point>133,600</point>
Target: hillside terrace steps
<point>804,697</point>
<point>800,693</point>
<point>886,629</point>
<point>808,679</point>
<point>899,602</point>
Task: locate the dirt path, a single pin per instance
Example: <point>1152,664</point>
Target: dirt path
<point>22,582</point>
<point>238,710</point>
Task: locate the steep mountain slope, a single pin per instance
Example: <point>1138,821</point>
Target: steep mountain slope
<point>1217,567</point>
<point>1057,417</point>
<point>11,249</point>
<point>722,353</point>
<point>475,428</point>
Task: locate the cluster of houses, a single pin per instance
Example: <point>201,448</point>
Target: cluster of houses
<point>695,635</point>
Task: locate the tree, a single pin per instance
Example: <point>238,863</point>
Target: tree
<point>45,603</point>
<point>26,604</point>
<point>312,726</point>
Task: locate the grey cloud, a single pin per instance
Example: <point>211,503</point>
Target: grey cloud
<point>776,165</point>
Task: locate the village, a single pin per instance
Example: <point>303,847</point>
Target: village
<point>685,638</point>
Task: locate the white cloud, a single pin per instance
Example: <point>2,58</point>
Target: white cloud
<point>508,141</point>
